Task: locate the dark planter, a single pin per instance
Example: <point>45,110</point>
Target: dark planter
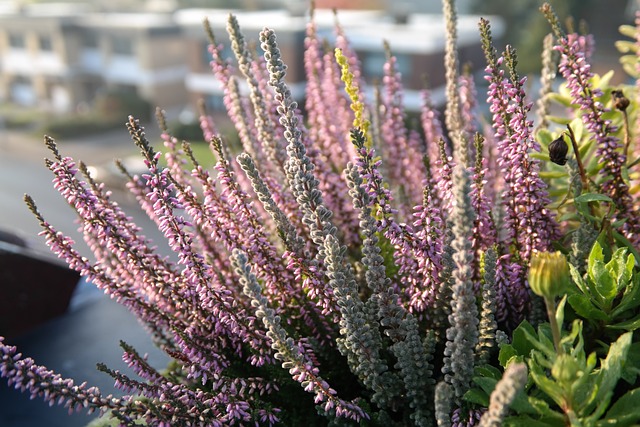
<point>33,288</point>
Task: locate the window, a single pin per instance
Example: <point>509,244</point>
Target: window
<point>21,80</point>
<point>90,40</point>
<point>21,91</point>
<point>16,41</point>
<point>122,45</point>
<point>226,53</point>
<point>45,43</point>
<point>403,65</point>
<point>374,64</point>
<point>215,103</point>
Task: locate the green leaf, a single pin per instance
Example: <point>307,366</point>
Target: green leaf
<point>629,325</point>
<point>521,404</point>
<point>544,383</point>
<point>585,389</point>
<point>587,146</point>
<point>601,407</point>
<point>551,174</point>
<point>525,421</point>
<point>593,167</point>
<point>631,368</point>
<point>620,268</point>
<point>544,137</point>
<point>604,283</point>
<point>630,372</point>
<point>611,369</point>
<point>585,308</point>
<point>560,312</point>
<point>630,298</point>
<point>628,268</point>
<point>488,371</point>
<point>559,98</point>
<point>574,339</point>
<point>596,254</point>
<point>559,120</point>
<point>603,244</point>
<point>592,197</point>
<point>521,342</point>
<point>486,384</point>
<point>544,343</point>
<point>507,352</point>
<point>624,412</point>
<point>578,280</point>
<point>543,409</point>
<point>602,81</point>
<point>578,129</point>
<point>578,340</point>
<point>623,241</point>
<point>479,397</point>
<point>569,216</point>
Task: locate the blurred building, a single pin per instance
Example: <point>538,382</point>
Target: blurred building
<point>60,56</point>
<point>417,40</point>
<point>200,82</point>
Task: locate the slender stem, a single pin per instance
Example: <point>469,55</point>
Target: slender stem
<point>627,135</point>
<point>574,144</point>
<point>555,329</point>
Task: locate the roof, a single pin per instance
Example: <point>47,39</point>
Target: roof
<point>366,29</point>
<point>423,33</point>
<point>43,10</point>
<point>277,19</point>
<point>127,20</point>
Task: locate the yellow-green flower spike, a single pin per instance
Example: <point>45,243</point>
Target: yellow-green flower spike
<point>352,90</point>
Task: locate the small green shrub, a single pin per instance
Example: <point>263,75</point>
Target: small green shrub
<point>117,104</point>
<point>73,126</point>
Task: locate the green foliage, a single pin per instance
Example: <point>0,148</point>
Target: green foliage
<point>118,104</point>
<point>189,131</point>
<point>629,50</point>
<point>109,112</point>
<point>608,297</point>
<point>575,384</point>
<point>20,119</point>
<point>73,126</point>
<point>567,387</point>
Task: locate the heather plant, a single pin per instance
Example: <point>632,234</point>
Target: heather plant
<point>344,267</point>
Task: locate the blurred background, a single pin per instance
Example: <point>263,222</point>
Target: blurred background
<point>75,70</point>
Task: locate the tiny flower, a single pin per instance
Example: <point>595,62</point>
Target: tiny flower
<point>620,101</point>
<point>548,274</point>
<point>558,151</point>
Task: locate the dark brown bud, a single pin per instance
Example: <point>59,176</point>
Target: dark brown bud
<point>558,151</point>
<point>620,101</point>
